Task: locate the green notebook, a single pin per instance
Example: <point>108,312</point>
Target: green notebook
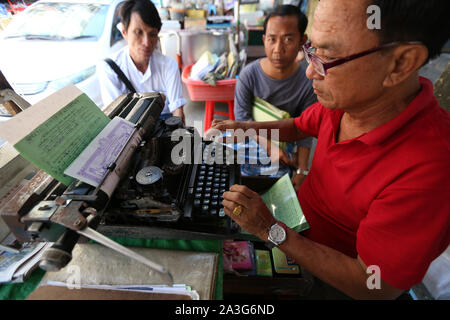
<point>264,111</point>
<point>282,201</point>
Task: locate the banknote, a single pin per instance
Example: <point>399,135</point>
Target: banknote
<point>92,164</point>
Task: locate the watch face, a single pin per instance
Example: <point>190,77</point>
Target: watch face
<point>277,234</point>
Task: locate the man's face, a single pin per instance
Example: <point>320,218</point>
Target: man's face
<point>142,38</point>
<point>340,30</point>
<point>282,41</point>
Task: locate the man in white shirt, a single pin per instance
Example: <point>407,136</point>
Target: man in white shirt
<point>146,68</point>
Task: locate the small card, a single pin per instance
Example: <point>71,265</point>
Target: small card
<point>283,264</point>
<point>238,253</point>
<point>263,264</point>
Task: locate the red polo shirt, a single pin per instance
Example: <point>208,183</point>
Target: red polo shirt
<point>384,195</point>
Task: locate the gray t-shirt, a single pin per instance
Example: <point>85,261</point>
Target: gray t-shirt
<point>293,94</point>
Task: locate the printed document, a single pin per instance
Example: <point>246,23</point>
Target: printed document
<point>53,132</point>
<point>91,165</point>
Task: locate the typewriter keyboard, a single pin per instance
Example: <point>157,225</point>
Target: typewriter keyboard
<point>211,182</point>
<point>205,191</point>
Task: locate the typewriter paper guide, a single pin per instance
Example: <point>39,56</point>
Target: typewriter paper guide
<point>53,132</point>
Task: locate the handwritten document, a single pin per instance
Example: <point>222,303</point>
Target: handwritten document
<point>52,133</point>
<point>282,201</point>
<point>92,164</point>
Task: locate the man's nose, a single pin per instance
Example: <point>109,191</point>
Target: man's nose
<point>278,46</point>
<point>146,40</point>
<point>312,74</point>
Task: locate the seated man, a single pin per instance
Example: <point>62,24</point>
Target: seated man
<point>377,196</point>
<point>146,68</point>
<point>278,78</point>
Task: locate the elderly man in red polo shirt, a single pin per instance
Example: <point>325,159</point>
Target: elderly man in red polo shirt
<point>379,188</point>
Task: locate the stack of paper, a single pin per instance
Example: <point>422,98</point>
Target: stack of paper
<point>206,63</point>
<point>176,290</point>
<point>96,267</point>
<point>16,267</point>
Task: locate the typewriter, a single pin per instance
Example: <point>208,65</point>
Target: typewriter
<point>166,184</point>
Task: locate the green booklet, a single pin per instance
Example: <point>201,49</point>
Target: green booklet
<point>264,111</point>
<point>282,201</point>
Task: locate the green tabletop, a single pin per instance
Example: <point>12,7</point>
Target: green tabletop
<point>19,291</point>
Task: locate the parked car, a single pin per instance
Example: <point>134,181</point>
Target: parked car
<point>56,42</point>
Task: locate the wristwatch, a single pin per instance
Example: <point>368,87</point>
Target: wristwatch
<point>277,234</point>
<point>303,172</point>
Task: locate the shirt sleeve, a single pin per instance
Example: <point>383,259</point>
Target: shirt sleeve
<point>310,120</point>
<point>404,231</point>
<point>174,88</point>
<point>110,85</point>
<point>243,99</point>
<point>306,143</point>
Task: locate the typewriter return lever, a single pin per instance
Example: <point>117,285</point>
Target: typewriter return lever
<point>70,218</point>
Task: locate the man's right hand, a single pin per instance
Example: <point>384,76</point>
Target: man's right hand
<point>222,126</point>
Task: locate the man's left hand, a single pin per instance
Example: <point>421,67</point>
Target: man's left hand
<point>254,217</point>
<point>180,113</point>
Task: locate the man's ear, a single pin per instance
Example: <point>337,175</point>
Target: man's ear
<point>303,40</point>
<point>406,59</point>
<point>124,32</point>
<point>264,38</point>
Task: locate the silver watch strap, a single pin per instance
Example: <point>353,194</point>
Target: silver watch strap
<point>301,171</point>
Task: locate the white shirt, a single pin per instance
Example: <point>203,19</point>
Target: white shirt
<point>162,75</point>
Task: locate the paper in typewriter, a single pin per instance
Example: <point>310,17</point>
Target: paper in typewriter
<point>53,132</point>
<point>91,165</point>
<point>282,201</point>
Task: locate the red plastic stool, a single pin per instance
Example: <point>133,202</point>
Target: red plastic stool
<point>210,112</point>
<point>201,91</point>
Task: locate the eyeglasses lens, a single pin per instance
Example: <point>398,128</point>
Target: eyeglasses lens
<point>310,58</point>
<point>318,66</point>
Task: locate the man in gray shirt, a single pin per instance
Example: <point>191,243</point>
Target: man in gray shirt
<point>279,79</point>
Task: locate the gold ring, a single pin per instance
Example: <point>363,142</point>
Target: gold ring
<point>237,210</point>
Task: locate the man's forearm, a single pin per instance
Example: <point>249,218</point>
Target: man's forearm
<point>287,130</point>
<point>303,157</point>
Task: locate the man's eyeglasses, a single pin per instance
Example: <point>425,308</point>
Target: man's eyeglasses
<point>321,67</point>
